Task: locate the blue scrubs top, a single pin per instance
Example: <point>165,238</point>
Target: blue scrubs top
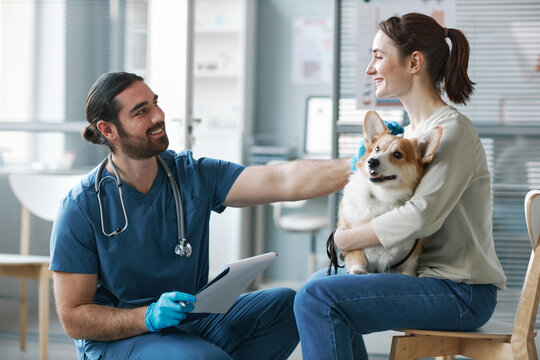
<point>135,267</point>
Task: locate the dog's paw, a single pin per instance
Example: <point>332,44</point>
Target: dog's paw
<point>355,269</point>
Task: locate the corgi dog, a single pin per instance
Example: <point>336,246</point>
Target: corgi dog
<point>386,177</point>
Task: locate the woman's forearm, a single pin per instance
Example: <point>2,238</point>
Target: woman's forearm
<point>358,237</point>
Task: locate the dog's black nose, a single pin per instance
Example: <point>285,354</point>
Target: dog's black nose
<point>373,162</point>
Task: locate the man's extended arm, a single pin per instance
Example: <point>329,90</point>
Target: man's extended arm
<point>295,180</point>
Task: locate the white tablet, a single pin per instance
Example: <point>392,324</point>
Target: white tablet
<point>220,293</point>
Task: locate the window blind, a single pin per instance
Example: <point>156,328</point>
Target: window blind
<point>51,51</point>
<point>504,37</point>
<point>505,64</point>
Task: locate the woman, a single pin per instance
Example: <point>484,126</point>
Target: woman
<point>458,271</point>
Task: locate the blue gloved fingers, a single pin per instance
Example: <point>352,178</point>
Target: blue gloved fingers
<point>356,157</point>
<point>156,321</point>
<point>179,301</point>
<point>172,317</point>
<point>180,296</point>
<point>173,309</point>
<point>188,308</point>
<point>177,307</point>
<point>169,310</point>
<point>354,160</point>
<point>394,127</point>
<point>157,318</point>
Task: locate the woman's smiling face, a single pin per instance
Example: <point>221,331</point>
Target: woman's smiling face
<point>389,72</point>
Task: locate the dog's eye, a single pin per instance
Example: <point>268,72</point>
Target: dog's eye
<point>377,149</point>
<point>397,155</point>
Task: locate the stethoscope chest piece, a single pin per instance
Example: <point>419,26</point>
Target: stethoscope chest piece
<point>183,249</point>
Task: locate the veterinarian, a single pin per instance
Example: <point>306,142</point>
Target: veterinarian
<point>123,279</point>
<point>458,271</point>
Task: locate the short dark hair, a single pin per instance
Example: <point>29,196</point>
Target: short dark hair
<point>419,32</point>
<point>101,103</point>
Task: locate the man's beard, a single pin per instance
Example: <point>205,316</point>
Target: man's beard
<point>142,148</point>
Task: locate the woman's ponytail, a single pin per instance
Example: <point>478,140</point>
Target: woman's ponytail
<point>457,84</point>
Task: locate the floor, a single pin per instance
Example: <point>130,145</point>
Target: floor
<point>60,345</point>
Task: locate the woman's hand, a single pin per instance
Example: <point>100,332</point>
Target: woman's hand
<point>338,239</point>
<point>358,237</point>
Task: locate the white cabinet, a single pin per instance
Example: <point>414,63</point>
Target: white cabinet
<point>222,100</point>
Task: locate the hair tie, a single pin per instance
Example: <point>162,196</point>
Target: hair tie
<point>445,32</point>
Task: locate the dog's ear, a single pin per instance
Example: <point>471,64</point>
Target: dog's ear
<point>373,127</point>
<point>427,144</point>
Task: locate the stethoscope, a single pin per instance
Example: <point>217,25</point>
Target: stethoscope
<point>183,248</point>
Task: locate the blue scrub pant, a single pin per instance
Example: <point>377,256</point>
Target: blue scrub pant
<point>260,325</point>
<point>333,312</point>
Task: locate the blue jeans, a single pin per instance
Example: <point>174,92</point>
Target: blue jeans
<point>260,325</point>
<point>333,312</point>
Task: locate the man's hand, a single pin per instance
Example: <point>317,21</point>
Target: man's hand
<point>169,310</point>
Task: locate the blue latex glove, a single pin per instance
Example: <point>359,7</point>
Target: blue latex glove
<point>169,310</point>
<point>394,128</point>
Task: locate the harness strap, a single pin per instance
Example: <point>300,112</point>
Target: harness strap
<point>399,263</point>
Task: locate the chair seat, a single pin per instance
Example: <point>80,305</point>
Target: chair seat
<point>16,259</point>
<point>303,222</point>
<point>493,329</point>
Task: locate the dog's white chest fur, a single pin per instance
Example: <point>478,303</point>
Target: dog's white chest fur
<point>362,201</point>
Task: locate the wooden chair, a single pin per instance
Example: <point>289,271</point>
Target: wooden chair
<point>495,340</point>
<point>39,194</point>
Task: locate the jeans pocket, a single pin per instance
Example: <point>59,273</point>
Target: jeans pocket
<point>479,303</point>
<point>465,297</point>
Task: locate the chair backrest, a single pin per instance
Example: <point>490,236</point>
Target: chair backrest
<point>41,193</point>
<point>277,206</point>
<point>528,302</point>
<point>532,216</point>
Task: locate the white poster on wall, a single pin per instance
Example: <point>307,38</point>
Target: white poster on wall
<point>369,15</point>
<point>312,50</point>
